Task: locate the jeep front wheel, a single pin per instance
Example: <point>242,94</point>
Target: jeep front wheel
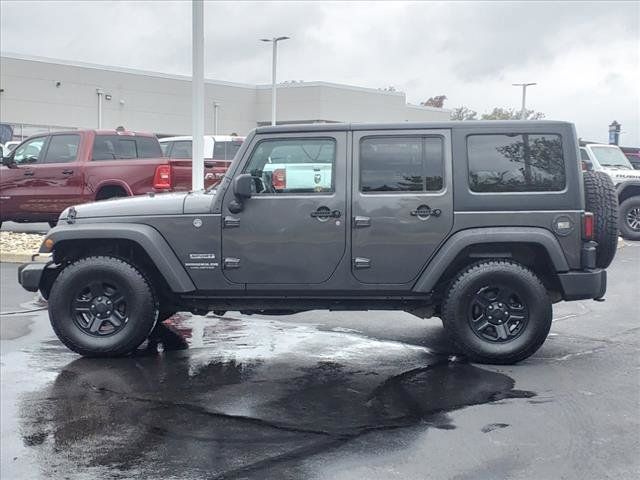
<point>497,312</point>
<point>102,306</point>
<point>630,218</point>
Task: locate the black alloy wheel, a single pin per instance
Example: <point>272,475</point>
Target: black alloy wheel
<point>632,218</point>
<point>100,309</point>
<point>497,314</point>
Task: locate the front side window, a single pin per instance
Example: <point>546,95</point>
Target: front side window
<point>30,151</point>
<point>516,163</point>
<point>401,164</point>
<point>584,155</point>
<point>225,150</point>
<point>62,149</point>
<point>293,165</point>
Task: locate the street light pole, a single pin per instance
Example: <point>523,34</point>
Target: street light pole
<point>197,95</point>
<point>275,41</point>
<point>523,112</point>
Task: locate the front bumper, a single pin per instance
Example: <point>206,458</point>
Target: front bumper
<point>30,275</point>
<point>583,284</point>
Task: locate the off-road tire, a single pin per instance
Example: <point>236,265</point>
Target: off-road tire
<point>602,201</point>
<point>627,232</point>
<point>457,305</point>
<point>141,305</point>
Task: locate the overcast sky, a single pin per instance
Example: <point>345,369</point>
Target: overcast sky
<point>584,56</point>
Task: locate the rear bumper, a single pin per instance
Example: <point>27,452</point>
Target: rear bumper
<point>583,284</point>
<point>30,275</point>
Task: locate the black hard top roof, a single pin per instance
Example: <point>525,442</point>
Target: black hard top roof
<point>333,127</point>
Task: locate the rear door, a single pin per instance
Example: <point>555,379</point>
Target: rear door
<point>59,174</point>
<point>402,202</point>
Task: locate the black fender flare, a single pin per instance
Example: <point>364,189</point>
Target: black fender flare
<point>476,236</point>
<point>633,184</point>
<point>148,238</point>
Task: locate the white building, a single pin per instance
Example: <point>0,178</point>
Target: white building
<point>46,94</point>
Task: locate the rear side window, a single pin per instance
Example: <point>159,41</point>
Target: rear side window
<point>181,149</point>
<point>62,149</point>
<point>225,150</point>
<point>166,147</point>
<point>116,147</point>
<point>516,163</point>
<point>148,147</point>
<point>401,164</point>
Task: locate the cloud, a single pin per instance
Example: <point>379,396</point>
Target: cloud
<point>584,55</point>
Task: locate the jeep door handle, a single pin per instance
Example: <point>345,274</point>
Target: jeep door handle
<point>361,222</point>
<point>324,213</point>
<point>28,173</point>
<point>67,172</point>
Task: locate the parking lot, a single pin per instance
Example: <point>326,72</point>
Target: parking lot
<point>325,395</point>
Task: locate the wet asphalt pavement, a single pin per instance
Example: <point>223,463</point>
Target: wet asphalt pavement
<point>344,395</point>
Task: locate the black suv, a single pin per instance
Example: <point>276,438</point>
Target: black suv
<point>482,224</point>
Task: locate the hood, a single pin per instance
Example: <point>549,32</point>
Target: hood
<point>622,175</point>
<point>143,205</point>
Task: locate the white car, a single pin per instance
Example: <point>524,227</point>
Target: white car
<point>216,147</point>
<point>612,161</point>
<point>219,150</point>
<point>10,145</point>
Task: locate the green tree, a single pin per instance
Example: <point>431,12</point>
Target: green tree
<point>437,101</point>
<point>463,113</point>
<point>499,113</point>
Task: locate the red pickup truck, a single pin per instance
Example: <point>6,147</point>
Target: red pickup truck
<point>47,173</point>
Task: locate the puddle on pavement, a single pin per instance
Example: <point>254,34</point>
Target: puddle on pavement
<point>261,392</point>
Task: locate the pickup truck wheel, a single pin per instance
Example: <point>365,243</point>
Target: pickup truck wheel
<point>601,199</point>
<point>630,218</point>
<point>497,312</point>
<point>102,307</point>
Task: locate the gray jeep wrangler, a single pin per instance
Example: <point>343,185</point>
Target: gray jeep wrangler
<point>482,224</point>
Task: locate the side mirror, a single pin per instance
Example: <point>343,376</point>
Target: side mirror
<point>587,166</point>
<point>8,161</point>
<point>242,186</point>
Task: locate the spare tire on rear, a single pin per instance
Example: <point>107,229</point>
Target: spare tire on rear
<point>602,201</point>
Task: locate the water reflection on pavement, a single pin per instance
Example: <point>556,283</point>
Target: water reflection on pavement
<point>249,394</point>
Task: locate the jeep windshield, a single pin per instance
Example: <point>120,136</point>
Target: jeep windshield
<point>611,157</point>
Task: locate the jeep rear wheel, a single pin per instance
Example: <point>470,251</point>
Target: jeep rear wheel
<point>630,218</point>
<point>497,312</point>
<point>102,306</point>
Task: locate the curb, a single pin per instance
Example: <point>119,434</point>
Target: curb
<point>22,257</point>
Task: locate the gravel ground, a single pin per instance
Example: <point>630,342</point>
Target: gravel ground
<point>20,243</point>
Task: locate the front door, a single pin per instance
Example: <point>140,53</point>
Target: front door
<point>402,202</point>
<point>18,183</point>
<point>292,230</point>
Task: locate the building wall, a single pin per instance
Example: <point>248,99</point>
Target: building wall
<point>160,103</point>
